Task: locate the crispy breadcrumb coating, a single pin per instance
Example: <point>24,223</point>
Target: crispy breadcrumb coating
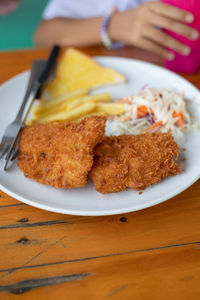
<point>134,161</point>
<point>60,155</point>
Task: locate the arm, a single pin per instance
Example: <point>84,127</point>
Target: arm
<point>138,27</point>
<point>69,32</point>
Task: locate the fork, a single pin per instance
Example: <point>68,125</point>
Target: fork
<point>12,129</point>
<point>40,71</point>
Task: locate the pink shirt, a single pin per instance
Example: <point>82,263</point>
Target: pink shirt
<point>85,8</point>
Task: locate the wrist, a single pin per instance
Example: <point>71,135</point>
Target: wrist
<point>114,27</point>
<point>105,31</point>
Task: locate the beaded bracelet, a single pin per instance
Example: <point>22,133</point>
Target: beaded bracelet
<point>106,41</point>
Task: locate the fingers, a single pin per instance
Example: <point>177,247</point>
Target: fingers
<point>153,47</point>
<point>172,12</point>
<point>144,21</point>
<point>174,26</point>
<point>166,40</point>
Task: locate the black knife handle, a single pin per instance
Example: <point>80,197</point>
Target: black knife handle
<point>49,64</point>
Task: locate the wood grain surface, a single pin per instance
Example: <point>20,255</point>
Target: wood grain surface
<point>150,254</point>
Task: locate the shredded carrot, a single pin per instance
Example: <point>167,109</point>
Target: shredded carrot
<point>142,111</point>
<point>154,126</point>
<point>174,114</point>
<point>180,118</point>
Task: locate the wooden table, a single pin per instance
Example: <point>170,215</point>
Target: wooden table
<point>149,254</point>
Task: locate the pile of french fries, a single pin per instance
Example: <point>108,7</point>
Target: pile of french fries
<point>75,106</point>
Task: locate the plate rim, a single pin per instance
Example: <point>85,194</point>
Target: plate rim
<point>109,211</point>
<point>100,212</point>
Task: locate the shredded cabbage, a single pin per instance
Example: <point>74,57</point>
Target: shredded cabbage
<point>164,111</point>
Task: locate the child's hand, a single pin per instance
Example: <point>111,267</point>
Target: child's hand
<point>140,27</point>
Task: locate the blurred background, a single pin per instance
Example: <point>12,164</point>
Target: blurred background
<point>17,27</point>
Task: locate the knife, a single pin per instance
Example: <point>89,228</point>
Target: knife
<point>32,92</point>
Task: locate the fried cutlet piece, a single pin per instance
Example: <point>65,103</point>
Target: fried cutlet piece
<point>60,155</point>
<point>134,161</point>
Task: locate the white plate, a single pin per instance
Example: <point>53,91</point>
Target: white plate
<point>86,201</point>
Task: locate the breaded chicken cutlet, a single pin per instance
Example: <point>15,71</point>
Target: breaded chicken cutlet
<point>60,155</point>
<point>134,161</point>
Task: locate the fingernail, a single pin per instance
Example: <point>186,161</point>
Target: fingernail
<point>189,18</point>
<point>170,56</point>
<point>186,51</point>
<point>195,35</point>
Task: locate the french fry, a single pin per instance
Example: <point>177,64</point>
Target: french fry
<point>51,111</point>
<point>96,98</point>
<point>105,110</point>
<point>110,108</point>
<point>72,103</point>
<point>71,115</point>
<point>57,102</point>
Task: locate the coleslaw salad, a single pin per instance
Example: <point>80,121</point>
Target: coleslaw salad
<point>154,110</point>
